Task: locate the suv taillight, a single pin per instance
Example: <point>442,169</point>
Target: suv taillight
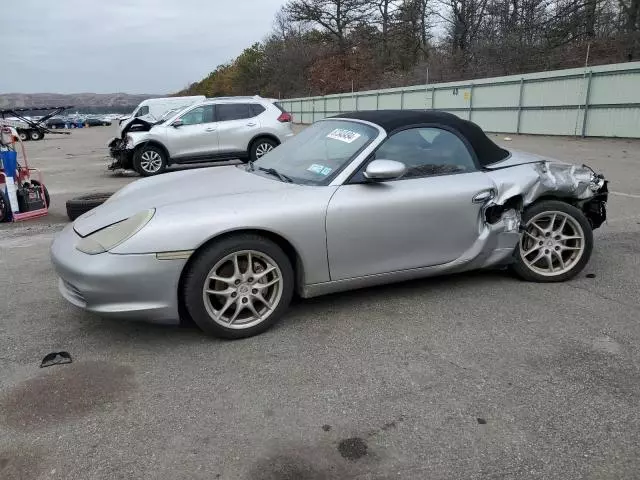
<point>285,117</point>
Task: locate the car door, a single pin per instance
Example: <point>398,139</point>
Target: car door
<point>238,125</point>
<point>195,136</point>
<point>430,216</point>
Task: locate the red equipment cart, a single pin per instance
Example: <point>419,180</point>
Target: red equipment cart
<point>28,183</point>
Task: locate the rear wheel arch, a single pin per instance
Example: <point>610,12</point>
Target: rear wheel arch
<point>581,226</point>
<point>287,247</point>
<point>261,136</point>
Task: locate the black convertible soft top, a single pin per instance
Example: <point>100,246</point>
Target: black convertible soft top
<point>486,151</point>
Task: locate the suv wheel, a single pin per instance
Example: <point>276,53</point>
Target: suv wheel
<point>261,147</point>
<point>149,160</point>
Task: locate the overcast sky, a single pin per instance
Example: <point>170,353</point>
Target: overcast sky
<point>132,46</point>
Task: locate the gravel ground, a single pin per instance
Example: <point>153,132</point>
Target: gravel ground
<point>463,377</point>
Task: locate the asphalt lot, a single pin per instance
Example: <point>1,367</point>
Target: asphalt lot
<point>465,377</point>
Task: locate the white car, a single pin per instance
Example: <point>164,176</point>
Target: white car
<point>154,108</point>
<point>216,129</point>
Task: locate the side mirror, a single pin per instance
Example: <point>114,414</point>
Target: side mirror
<point>380,170</point>
<point>177,123</point>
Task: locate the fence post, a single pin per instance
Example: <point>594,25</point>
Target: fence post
<point>470,101</point>
<point>586,104</point>
<point>313,110</point>
<point>339,105</point>
<point>433,96</point>
<point>356,101</point>
<point>519,106</point>
<point>324,106</point>
<point>377,100</point>
<point>402,100</point>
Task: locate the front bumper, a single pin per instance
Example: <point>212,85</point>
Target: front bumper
<point>122,286</point>
<point>122,156</point>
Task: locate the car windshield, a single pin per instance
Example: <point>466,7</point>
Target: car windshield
<point>318,153</point>
<point>169,113</point>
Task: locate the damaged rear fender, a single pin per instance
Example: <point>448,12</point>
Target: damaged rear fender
<point>522,185</point>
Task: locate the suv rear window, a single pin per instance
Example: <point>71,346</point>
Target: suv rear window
<point>280,107</point>
<point>232,111</point>
<point>256,109</point>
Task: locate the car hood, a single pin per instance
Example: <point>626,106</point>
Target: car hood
<point>219,184</point>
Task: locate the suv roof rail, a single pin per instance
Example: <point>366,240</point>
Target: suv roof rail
<point>237,97</point>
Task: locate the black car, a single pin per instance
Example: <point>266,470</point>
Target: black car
<point>54,123</point>
<point>97,122</point>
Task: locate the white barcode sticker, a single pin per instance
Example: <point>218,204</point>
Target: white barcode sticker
<point>343,135</point>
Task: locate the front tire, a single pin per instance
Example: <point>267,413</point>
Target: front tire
<point>238,287</point>
<point>556,243</point>
<point>149,160</point>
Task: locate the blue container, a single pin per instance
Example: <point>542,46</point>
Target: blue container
<point>9,162</point>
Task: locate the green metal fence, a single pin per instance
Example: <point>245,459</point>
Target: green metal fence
<point>602,101</point>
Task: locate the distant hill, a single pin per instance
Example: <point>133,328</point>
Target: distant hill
<point>83,102</point>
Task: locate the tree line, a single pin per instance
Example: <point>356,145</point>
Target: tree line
<point>331,46</point>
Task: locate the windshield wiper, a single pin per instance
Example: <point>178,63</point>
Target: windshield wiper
<point>273,171</point>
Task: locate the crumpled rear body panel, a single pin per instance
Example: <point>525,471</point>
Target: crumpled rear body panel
<point>520,181</point>
<point>536,177</point>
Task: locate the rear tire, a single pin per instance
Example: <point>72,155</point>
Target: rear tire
<point>149,160</point>
<point>260,147</point>
<point>242,300</point>
<point>5,210</point>
<point>80,205</point>
<point>46,192</point>
<point>36,135</point>
<point>556,244</point>
<point>23,135</point>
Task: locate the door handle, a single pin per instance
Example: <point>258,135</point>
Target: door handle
<point>483,196</point>
<point>251,124</point>
<point>210,129</point>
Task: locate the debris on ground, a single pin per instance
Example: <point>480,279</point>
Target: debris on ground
<point>55,358</point>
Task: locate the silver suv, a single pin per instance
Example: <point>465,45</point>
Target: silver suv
<point>216,129</point>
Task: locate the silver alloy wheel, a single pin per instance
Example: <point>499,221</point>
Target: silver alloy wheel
<point>552,243</point>
<point>150,161</point>
<point>35,135</point>
<point>263,149</point>
<point>23,136</point>
<point>243,289</point>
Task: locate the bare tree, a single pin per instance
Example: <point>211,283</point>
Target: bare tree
<point>386,12</point>
<point>334,16</point>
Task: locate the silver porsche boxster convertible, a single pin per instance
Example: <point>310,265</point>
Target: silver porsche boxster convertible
<point>352,201</point>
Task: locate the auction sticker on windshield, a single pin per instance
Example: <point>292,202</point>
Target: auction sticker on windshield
<point>320,169</point>
<point>344,135</point>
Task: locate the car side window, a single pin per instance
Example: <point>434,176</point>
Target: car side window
<point>232,111</point>
<point>202,114</point>
<point>427,151</point>
<point>142,111</point>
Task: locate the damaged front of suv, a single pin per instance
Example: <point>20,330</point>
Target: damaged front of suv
<point>121,149</point>
<point>547,206</point>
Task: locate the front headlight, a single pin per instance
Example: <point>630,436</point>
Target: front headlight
<point>129,142</point>
<point>113,235</point>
